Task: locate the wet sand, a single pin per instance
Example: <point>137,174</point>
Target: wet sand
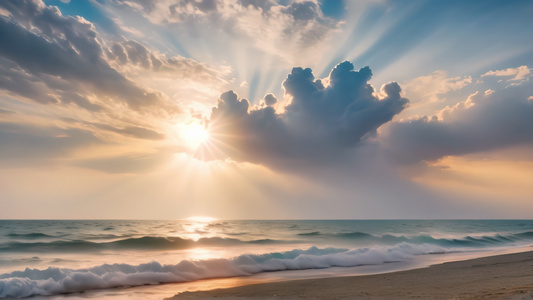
<point>508,276</point>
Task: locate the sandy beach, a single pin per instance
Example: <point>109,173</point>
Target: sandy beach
<point>508,276</point>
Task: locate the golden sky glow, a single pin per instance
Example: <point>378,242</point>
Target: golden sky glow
<point>194,135</point>
<point>301,109</point>
<point>201,219</point>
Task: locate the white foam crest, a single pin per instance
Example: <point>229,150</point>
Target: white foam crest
<point>52,281</point>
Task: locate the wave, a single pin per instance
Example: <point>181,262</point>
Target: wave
<point>33,235</point>
<point>309,233</point>
<point>140,243</point>
<point>90,243</point>
<point>467,241</point>
<point>87,236</point>
<point>53,281</point>
<point>356,235</point>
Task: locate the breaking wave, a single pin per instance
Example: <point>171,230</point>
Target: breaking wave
<point>53,281</point>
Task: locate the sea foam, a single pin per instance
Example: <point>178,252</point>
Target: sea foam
<point>52,281</point>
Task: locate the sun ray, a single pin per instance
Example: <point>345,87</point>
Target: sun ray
<point>194,135</point>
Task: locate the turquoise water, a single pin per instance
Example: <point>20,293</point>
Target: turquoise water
<point>51,257</point>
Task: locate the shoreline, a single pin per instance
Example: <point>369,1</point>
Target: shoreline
<point>505,276</point>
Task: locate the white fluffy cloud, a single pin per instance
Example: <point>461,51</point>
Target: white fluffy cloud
<point>485,121</point>
<point>515,75</point>
<point>431,87</point>
<point>293,30</point>
<point>130,53</point>
<point>320,124</point>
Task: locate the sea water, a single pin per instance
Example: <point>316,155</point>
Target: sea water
<point>71,258</point>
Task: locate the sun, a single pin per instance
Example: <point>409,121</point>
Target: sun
<point>195,135</point>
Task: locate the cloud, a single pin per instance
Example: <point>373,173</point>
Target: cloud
<point>63,79</point>
<point>430,93</point>
<point>303,11</point>
<point>519,74</point>
<point>41,47</point>
<point>484,122</point>
<point>35,145</point>
<point>129,53</point>
<point>27,145</point>
<point>270,100</point>
<point>271,27</point>
<point>320,124</point>
<point>134,131</point>
<point>44,88</point>
<point>431,87</point>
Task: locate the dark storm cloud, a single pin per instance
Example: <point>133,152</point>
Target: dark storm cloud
<point>486,121</point>
<point>320,123</point>
<point>41,42</point>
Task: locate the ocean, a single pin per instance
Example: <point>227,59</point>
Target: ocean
<point>125,259</point>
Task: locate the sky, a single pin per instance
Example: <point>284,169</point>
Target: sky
<point>274,109</point>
